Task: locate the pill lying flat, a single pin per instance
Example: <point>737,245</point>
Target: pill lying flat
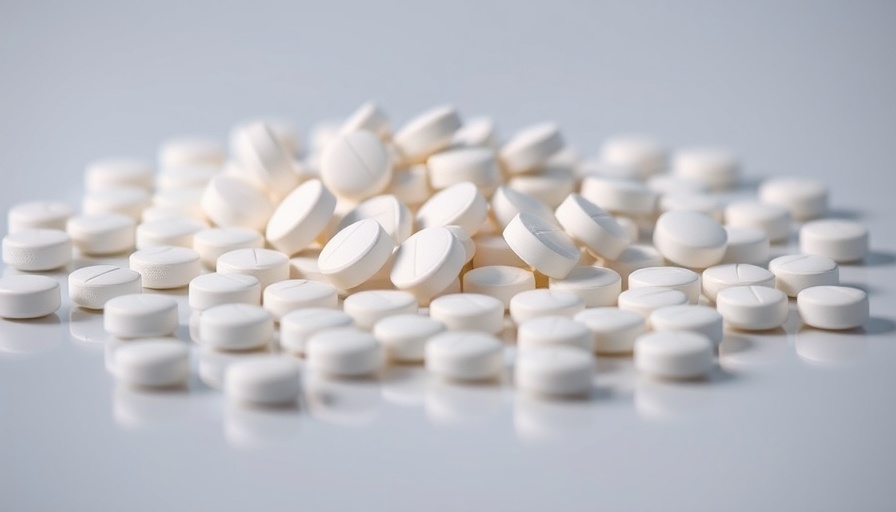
<point>494,250</point>
<point>773,219</point>
<point>640,152</point>
<point>613,330</point>
<point>297,326</point>
<point>464,356</point>
<point>232,201</point>
<point>553,331</point>
<point>154,363</point>
<point>700,319</point>
<point>500,282</point>
<point>596,286</point>
<point>795,272</point>
<point>716,167</point>
<point>549,185</point>
<point>189,152</point>
<point>128,201</point>
<point>166,267</point>
<point>833,307</point>
<point>804,197</point>
<point>35,250</point>
<point>404,337</point>
<point>673,278</point>
<point>91,287</point>
<point>211,243</point>
<point>173,231</point>
<point>24,296</point>
<point>746,245</point>
<point>104,234</point>
<point>118,172</point>
<point>468,312</point>
<point>38,215</point>
<point>690,239</point>
<point>555,371</point>
<point>369,307</point>
<point>620,196</point>
<point>266,265</point>
<point>541,302</point>
<point>542,245</point>
<point>214,289</point>
<point>753,308</point>
<point>840,240</point>
<point>719,277</point>
<point>635,257</point>
<point>343,352</point>
<point>265,380</point>
<point>428,133</point>
<point>648,299</point>
<point>236,327</point>
<point>141,315</point>
<point>674,354</point>
<point>282,297</point>
<point>478,166</point>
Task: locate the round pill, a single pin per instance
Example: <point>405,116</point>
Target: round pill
<point>700,319</point>
<point>266,380</point>
<point>465,241</point>
<point>630,227</point>
<point>542,245</point>
<point>140,315</point>
<point>184,177</point>
<point>597,286</point>
<point>285,296</point>
<point>427,262</point>
<point>174,232</point>
<point>460,204</point>
<point>128,201</point>
<point>640,152</point>
<point>507,202</point>
<point>426,134</point>
<point>260,153</point>
<point>500,282</point>
<point>356,166</point>
<point>531,148</point>
<point>404,337</point>
<point>550,331</point>
<point>840,240</point>
<point>592,226</point>
<point>773,219</point>
<point>394,217</point>
<point>673,278</point>
<point>476,132</point>
<point>187,201</point>
<point>671,184</point>
<point>690,239</point>
<point>154,363</point>
<point>302,215</point>
<point>833,307</point>
<point>297,326</point>
<point>555,371</point>
<point>648,299</point>
<point>493,250</point>
<point>236,327</point>
<point>166,267</point>
<point>91,287</point>
<point>38,215</point>
<point>620,196</point>
<point>468,312</point>
<point>266,265</point>
<point>674,354</point>
<point>753,308</point>
<point>716,167</point>
<point>464,356</point>
<point>716,279</point>
<point>118,172</point>
<point>704,203</point>
<point>232,201</point>
<point>633,258</point>
<point>211,243</point>
<point>24,296</point>
<point>541,302</point>
<point>369,307</point>
<point>36,250</point>
<point>411,185</point>
<point>191,151</point>
<point>214,289</point>
<point>355,254</point>
<point>746,245</point>
<point>804,197</point>
<point>104,234</point>
<point>369,117</point>
<point>550,185</point>
<point>613,330</point>
<point>343,352</point>
<point>478,166</point>
<point>795,272</point>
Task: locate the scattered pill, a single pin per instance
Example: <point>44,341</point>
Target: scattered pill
<point>805,198</point>
<point>356,166</point>
<point>265,380</point>
<point>550,331</point>
<point>478,166</point>
<point>302,215</point>
<point>746,245</point>
<point>213,289</point>
<point>232,201</point>
<point>507,202</point>
<point>282,297</point>
<point>753,308</point>
<point>596,286</point>
<point>118,172</point>
<point>165,267</point>
<point>140,315</point>
<point>716,167</point>
<point>152,363</point>
<point>689,317</point>
<point>267,265</point>
<point>555,371</point>
<point>428,133</point>
<point>343,352</point>
<point>796,272</point>
<point>492,250</point>
<point>690,239</point>
<point>635,257</point>
<point>91,287</point>
<point>24,296</point>
<point>370,117</point>
<point>103,234</point>
<point>404,337</point>
<point>620,196</point>
<point>476,132</point>
<point>541,302</point>
<point>840,240</point>
<point>174,232</point>
<point>468,312</point>
<point>773,219</point>
<point>613,330</point>
<point>592,226</point>
<point>664,184</point>
<point>648,299</point>
<point>35,250</point>
<point>550,185</point>
<point>411,185</point>
<point>674,354</point>
<point>427,262</point>
<point>640,152</point>
<point>542,245</point>
<point>673,278</point>
<point>464,356</point>
<point>236,327</point>
<point>38,215</point>
<point>211,243</point>
<point>498,281</point>
<point>465,241</point>
<point>704,203</point>
<point>833,307</point>
<point>389,212</point>
<point>264,159</point>
<point>460,204</point>
<point>191,152</point>
<point>355,254</point>
<point>719,277</point>
<point>297,326</point>
<point>369,307</point>
<point>531,148</point>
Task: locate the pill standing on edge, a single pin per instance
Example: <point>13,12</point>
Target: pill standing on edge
<point>356,166</point>
<point>355,254</point>
<point>427,262</point>
<point>300,217</point>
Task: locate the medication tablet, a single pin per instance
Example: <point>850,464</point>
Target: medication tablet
<point>465,241</point>
<point>184,177</point>
<point>128,201</point>
<point>99,235</point>
<point>262,156</point>
<point>465,356</point>
<point>716,279</point>
<point>140,315</point>
<point>633,258</point>
<point>690,239</point>
<point>700,319</point>
<point>210,290</point>
<point>492,250</point>
<point>166,267</point>
<point>460,204</point>
<point>191,151</point>
<point>674,354</point>
<point>175,232</point>
<point>673,278</point>
<point>153,363</point>
<point>773,219</point>
<point>805,198</point>
<point>211,243</point>
<point>531,148</point>
<point>236,327</point>
<point>304,266</point>
<point>476,132</point>
<point>479,166</point>
<point>427,262</point>
<point>640,152</point>
<point>753,308</point>
<point>507,202</point>
<point>355,254</point>
<point>231,201</point>
<point>549,331</point>
<point>650,298</point>
<point>266,380</point>
<point>267,266</point>
<point>297,326</point>
<point>343,352</point>
<point>592,226</point>
<point>613,330</point>
<point>468,312</point>
<point>35,250</point>
<point>665,184</point>
<point>118,172</point>
<point>703,203</point>
<point>290,295</point>
<point>498,281</point>
<point>542,302</point>
<point>389,212</point>
<point>404,337</point>
<point>356,166</point>
<point>542,245</point>
<point>24,296</point>
<point>597,286</point>
<point>410,186</point>
<point>38,215</point>
<point>620,196</point>
<point>841,240</point>
<point>91,287</point>
<point>300,217</point>
<point>428,133</point>
<point>369,307</point>
<point>550,185</point>
<point>833,307</point>
<point>746,245</point>
<point>369,117</point>
<point>555,371</point>
<point>795,272</point>
<point>630,227</point>
<point>187,201</point>
<point>716,167</point>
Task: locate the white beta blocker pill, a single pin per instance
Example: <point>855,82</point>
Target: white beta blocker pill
<point>648,299</point>
<point>174,231</point>
<point>716,279</point>
<point>690,239</point>
<point>267,380</point>
<point>507,202</point>
<point>104,234</point>
<point>635,257</point>
<point>673,278</point>
<point>356,166</point>
<point>355,254</point>
<point>701,319</point>
<point>773,219</point>
<point>468,312</point>
<point>266,265</point>
<point>464,356</point>
<point>542,245</point>
<point>795,272</point>
<point>462,205</point>
<point>23,297</point>
<point>427,262</point>
<point>285,296</point>
<point>91,287</point>
<point>498,281</point>
<point>141,315</point>
<point>369,307</point>
<point>35,250</point>
<point>555,371</point>
<point>38,215</point>
<point>128,201</point>
<point>300,217</point>
<point>840,240</point>
<point>394,217</point>
<point>640,152</point>
<point>345,352</point>
<point>233,201</point>
<point>531,148</point>
<point>426,134</point>
<point>674,354</point>
<point>211,243</point>
<point>166,267</point>
<point>833,307</point>
<point>597,286</point>
<point>236,327</point>
<point>541,302</point>
<point>753,308</point>
<point>404,337</point>
<point>805,198</point>
<point>620,196</point>
<point>478,166</point>
<point>613,330</point>
<point>118,172</point>
<point>161,362</point>
<point>553,331</point>
<point>369,117</point>
<point>716,167</point>
<point>213,289</point>
<point>297,327</point>
<point>592,226</point>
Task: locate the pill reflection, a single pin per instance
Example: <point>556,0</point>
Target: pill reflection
<point>345,402</point>
<point>739,348</point>
<point>827,348</point>
<point>670,401</point>
<point>87,326</point>
<point>253,427</point>
<point>461,404</point>
<point>136,408</point>
<point>404,385</point>
<point>539,419</point>
<point>213,364</point>
<point>31,336</point>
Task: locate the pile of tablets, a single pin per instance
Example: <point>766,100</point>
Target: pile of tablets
<point>437,244</point>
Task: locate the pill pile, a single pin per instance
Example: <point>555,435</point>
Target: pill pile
<point>436,244</point>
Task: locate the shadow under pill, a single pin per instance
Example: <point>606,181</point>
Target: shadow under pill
<point>830,348</point>
<point>253,427</point>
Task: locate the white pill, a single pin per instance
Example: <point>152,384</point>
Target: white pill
<point>795,272</point>
<point>716,167</point>
<point>752,308</point>
<point>469,312</point>
<point>773,219</point>
<point>211,243</point>
<point>550,185</point>
<point>35,250</point>
<point>38,215</point>
<point>411,186</point>
<point>104,234</point>
<point>642,153</point>
<point>507,202</point>
<point>297,326</point>
<point>118,172</point>
<point>368,117</point>
<point>719,277</point>
<point>650,298</point>
<point>630,227</point>
<point>213,289</point>
<point>140,315</point>
<point>184,177</point>
<point>261,155</point>
<point>460,204</point>
<point>292,294</point>
<point>128,201</point>
<point>266,265</point>
<point>492,250</point>
<point>746,245</point>
<point>91,287</point>
<point>187,201</point>
<point>597,286</point>
<point>343,352</point>
<point>700,319</point>
<point>549,331</point>
<point>542,244</point>
<point>633,258</point>
<point>690,239</point>
<point>355,254</point>
<point>479,166</point>
<point>266,380</point>
<point>356,166</point>
<point>284,131</point>
<point>404,337</point>
<point>665,184</point>
<point>592,226</point>
<point>304,266</point>
<point>498,281</point>
<point>231,201</point>
<point>620,196</point>
<point>300,217</point>
<point>427,262</point>
<point>476,132</point>
<point>841,240</point>
<point>236,327</point>
<point>674,354</point>
<point>166,267</point>
<point>153,363</point>
<point>190,152</point>
<point>176,232</point>
<point>388,211</point>
<point>674,278</point>
<point>464,356</point>
<point>613,330</point>
<point>369,307</point>
<point>805,198</point>
<point>465,241</point>
<point>555,371</point>
<point>542,302</point>
<point>703,203</point>
<point>833,307</point>
<point>24,296</point>
<point>426,134</point>
<point>531,148</point>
